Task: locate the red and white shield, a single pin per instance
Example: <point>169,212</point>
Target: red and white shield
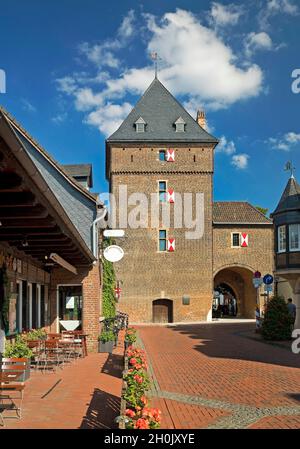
<point>244,240</point>
<point>171,245</point>
<point>171,196</point>
<point>170,155</point>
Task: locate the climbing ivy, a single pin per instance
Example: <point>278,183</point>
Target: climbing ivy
<point>109,282</point>
<point>4,299</point>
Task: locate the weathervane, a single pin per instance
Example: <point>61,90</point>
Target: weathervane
<point>155,58</point>
<point>289,167</point>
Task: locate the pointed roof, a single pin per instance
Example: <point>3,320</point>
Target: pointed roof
<point>290,199</point>
<point>160,110</point>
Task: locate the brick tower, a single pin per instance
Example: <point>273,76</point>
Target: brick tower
<point>161,151</point>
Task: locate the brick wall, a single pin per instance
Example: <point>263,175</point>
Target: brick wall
<point>148,274</point>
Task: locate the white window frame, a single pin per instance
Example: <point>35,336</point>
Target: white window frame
<point>180,127</point>
<point>232,245</point>
<point>280,250</point>
<point>140,127</point>
<point>293,250</point>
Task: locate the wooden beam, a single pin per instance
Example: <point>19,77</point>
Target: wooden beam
<point>17,199</point>
<point>24,212</point>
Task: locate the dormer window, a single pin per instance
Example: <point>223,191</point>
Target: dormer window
<point>180,125</point>
<point>140,125</point>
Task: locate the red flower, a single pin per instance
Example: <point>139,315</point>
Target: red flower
<point>141,424</point>
<point>130,413</point>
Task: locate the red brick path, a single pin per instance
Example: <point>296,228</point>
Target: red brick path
<point>86,394</point>
<point>217,362</point>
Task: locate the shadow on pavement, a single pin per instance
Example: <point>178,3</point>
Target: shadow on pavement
<point>102,411</point>
<point>227,341</point>
<point>114,365</point>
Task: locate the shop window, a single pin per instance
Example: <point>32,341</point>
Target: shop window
<point>42,305</point>
<point>162,240</point>
<point>281,239</point>
<point>294,237</point>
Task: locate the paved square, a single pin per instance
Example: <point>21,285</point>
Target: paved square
<point>217,376</point>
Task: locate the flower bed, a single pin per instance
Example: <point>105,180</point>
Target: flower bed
<point>135,410</point>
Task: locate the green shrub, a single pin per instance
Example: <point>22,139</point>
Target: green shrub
<point>277,324</point>
<point>106,336</point>
<point>18,349</point>
<point>35,334</point>
<point>109,283</point>
<point>130,336</point>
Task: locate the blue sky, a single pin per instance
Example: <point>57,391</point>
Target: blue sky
<point>74,69</point>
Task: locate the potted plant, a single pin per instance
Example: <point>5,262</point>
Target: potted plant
<point>106,341</point>
<point>19,350</point>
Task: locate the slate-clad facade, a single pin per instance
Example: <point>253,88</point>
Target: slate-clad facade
<point>46,240</point>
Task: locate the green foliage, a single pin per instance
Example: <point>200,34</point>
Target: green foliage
<point>109,282</point>
<point>263,210</point>
<point>138,383</point>
<point>277,324</point>
<point>19,349</point>
<point>106,335</point>
<point>130,336</point>
<point>4,299</point>
<point>35,334</point>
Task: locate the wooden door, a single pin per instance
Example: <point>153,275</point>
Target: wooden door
<point>162,311</point>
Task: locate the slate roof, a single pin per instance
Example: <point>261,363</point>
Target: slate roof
<point>238,212</point>
<point>80,171</point>
<point>290,199</point>
<point>160,110</point>
<point>79,205</point>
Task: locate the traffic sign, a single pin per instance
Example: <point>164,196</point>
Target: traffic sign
<point>257,274</point>
<point>268,279</point>
<point>257,282</point>
<point>268,288</point>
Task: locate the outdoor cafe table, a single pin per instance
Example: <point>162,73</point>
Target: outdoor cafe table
<point>77,336</point>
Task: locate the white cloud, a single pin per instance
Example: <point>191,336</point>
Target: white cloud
<point>109,117</point>
<point>286,142</point>
<point>226,147</point>
<point>240,161</point>
<point>257,41</point>
<point>274,7</point>
<point>195,64</point>
<point>59,118</point>
<point>222,15</point>
<point>102,54</point>
<point>27,106</point>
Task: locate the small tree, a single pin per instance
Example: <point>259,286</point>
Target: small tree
<point>277,324</point>
<point>108,289</point>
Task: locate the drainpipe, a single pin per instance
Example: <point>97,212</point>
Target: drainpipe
<point>95,231</point>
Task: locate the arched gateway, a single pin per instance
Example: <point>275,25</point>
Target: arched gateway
<point>236,282</point>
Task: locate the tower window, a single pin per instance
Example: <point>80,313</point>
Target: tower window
<point>140,125</point>
<point>162,240</point>
<point>281,239</point>
<point>162,155</point>
<point>180,125</point>
<point>162,191</point>
<point>236,240</point>
<point>294,233</point>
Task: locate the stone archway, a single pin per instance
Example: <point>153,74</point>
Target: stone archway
<point>239,279</point>
<point>162,311</point>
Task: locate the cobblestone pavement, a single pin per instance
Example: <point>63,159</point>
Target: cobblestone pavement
<point>216,376</point>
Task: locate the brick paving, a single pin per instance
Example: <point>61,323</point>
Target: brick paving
<point>216,367</point>
<point>84,394</point>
